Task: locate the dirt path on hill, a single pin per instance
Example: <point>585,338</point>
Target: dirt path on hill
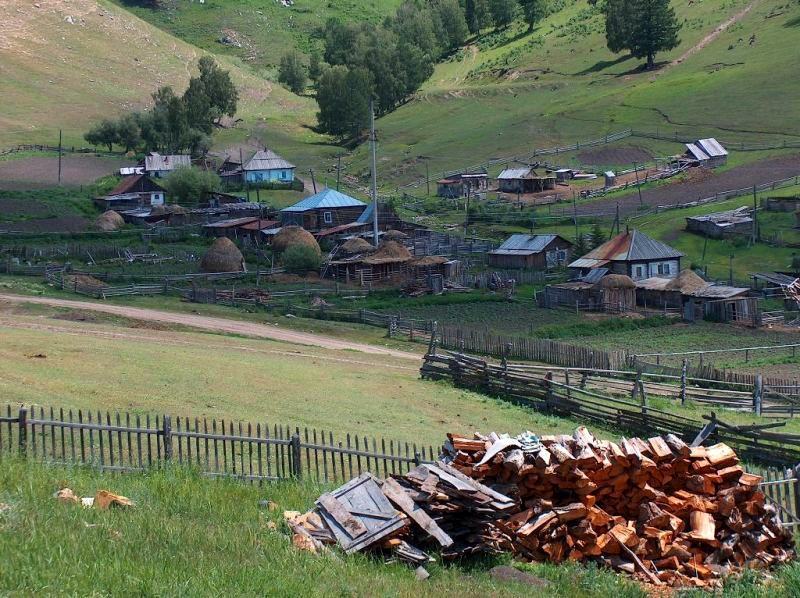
<point>213,324</point>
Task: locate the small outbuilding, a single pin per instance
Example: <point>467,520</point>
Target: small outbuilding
<point>531,251</point>
<point>781,204</point>
<point>390,260</point>
<point>707,152</point>
<point>132,192</point>
<point>722,224</point>
<point>525,180</point>
<point>612,293</point>
<point>462,184</point>
<point>223,256</point>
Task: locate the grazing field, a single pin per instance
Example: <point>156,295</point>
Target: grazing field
<point>38,172</point>
<point>189,535</point>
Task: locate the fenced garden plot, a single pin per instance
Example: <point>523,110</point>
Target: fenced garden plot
<point>255,452</point>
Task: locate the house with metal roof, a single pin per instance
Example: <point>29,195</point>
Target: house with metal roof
<point>531,251</point>
<point>707,152</point>
<point>633,254</point>
<point>266,166</point>
<point>136,191</point>
<point>325,209</point>
<point>159,166</point>
<point>524,180</point>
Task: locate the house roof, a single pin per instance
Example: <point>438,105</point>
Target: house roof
<point>626,247</point>
<point>712,147</point>
<point>329,198</point>
<point>522,244</point>
<point>267,160</point>
<point>130,184</point>
<point>728,218</point>
<point>714,291</point>
<point>231,222</point>
<point>339,229</point>
<point>156,161</point>
<point>516,173</point>
<point>696,152</point>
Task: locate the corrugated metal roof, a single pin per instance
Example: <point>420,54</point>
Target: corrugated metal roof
<point>267,160</point>
<point>527,243</point>
<point>515,173</point>
<point>230,222</point>
<point>629,246</point>
<point>712,147</point>
<point>329,198</point>
<point>130,184</point>
<point>587,263</point>
<point>718,292</point>
<point>595,275</point>
<point>156,161</point>
<point>366,215</point>
<point>696,152</point>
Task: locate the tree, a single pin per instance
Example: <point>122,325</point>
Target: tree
<point>453,23</point>
<point>644,27</point>
<point>581,246</point>
<point>187,185</point>
<point>315,66</point>
<point>219,88</point>
<point>533,11</point>
<point>598,236</point>
<point>199,113</point>
<point>477,15</point>
<point>343,97</point>
<point>292,73</point>
<point>300,259</point>
<point>128,134</point>
<point>503,12</point>
<point>104,133</point>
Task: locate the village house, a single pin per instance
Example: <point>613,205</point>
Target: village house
<point>159,166</point>
<point>707,152</point>
<point>462,185</point>
<point>722,224</point>
<point>268,167</point>
<point>325,209</point>
<point>524,180</point>
<point>135,191</point>
<point>531,251</point>
<point>633,254</point>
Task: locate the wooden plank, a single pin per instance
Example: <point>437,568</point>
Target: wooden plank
<point>394,492</point>
<point>339,512</point>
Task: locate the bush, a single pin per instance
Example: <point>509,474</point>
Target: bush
<point>300,259</point>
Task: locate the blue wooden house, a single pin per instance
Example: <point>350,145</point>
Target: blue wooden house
<point>267,166</point>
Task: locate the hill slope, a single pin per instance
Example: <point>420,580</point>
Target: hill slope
<point>64,64</point>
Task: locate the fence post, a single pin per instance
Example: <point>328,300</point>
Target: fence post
<point>417,458</point>
<point>297,468</point>
<point>758,389</point>
<point>548,396</point>
<point>166,435</point>
<point>432,343</point>
<point>23,431</point>
<point>796,475</point>
<point>683,382</point>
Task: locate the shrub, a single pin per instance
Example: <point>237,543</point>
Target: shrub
<point>300,259</point>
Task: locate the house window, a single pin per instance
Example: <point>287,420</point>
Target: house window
<point>663,268</point>
<point>561,256</point>
<point>327,217</point>
<point>639,271</point>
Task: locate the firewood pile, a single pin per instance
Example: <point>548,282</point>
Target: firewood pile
<point>657,509</point>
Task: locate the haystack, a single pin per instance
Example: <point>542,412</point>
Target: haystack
<point>178,210</point>
<point>394,235</point>
<point>294,235</point>
<point>615,281</point>
<point>686,282</point>
<point>159,210</point>
<point>389,252</point>
<point>356,246</point>
<point>223,256</point>
<point>429,260</point>
<point>109,221</point>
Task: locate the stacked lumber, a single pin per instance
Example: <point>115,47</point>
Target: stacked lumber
<point>656,508</point>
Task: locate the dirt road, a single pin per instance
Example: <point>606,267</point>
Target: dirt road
<point>213,324</point>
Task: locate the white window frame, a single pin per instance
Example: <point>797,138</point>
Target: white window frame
<point>327,217</point>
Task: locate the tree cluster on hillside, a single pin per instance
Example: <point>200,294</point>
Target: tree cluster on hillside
<point>643,27</point>
<point>174,123</point>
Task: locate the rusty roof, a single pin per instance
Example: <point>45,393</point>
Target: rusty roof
<point>628,246</point>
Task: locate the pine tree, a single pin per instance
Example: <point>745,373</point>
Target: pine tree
<point>533,11</point>
<point>644,27</point>
<point>292,73</point>
<point>503,12</point>
<point>581,247</point>
<point>598,236</point>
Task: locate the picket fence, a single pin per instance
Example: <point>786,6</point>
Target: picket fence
<point>255,452</point>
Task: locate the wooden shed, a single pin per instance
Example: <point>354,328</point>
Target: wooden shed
<point>781,204</point>
<point>524,180</point>
<point>722,224</point>
<point>615,293</point>
<point>531,251</point>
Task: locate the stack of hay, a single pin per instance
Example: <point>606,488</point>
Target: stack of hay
<point>356,246</point>
<point>290,236</point>
<point>389,252</point>
<point>109,221</point>
<point>223,256</point>
<point>687,281</point>
<point>393,235</point>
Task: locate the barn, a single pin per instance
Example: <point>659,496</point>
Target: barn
<point>613,293</point>
<point>722,224</point>
<point>531,251</point>
<point>707,152</point>
<point>325,209</point>
<point>524,180</point>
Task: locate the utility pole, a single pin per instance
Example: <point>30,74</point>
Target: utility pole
<point>59,156</point>
<point>730,270</point>
<point>755,216</point>
<point>313,181</point>
<point>638,186</point>
<point>373,141</point>
<point>338,170</point>
<point>575,214</point>
<point>466,212</point>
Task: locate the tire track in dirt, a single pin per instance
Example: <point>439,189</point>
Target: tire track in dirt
<point>213,324</point>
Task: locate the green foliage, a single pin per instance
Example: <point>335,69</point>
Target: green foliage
<point>598,235</point>
<point>581,246</point>
<point>602,327</point>
<point>315,66</point>
<point>477,15</point>
<point>103,133</point>
<point>534,11</point>
<point>644,27</point>
<point>503,12</point>
<point>453,24</point>
<point>301,259</point>
<point>343,97</point>
<point>292,73</point>
<point>188,185</point>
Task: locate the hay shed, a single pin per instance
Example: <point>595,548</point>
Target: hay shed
<point>356,246</point>
<point>109,221</point>
<point>394,235</point>
<point>292,235</point>
<point>389,252</point>
<point>223,256</point>
<point>615,293</point>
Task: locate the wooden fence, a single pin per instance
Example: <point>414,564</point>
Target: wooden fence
<point>545,393</point>
<point>256,452</point>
